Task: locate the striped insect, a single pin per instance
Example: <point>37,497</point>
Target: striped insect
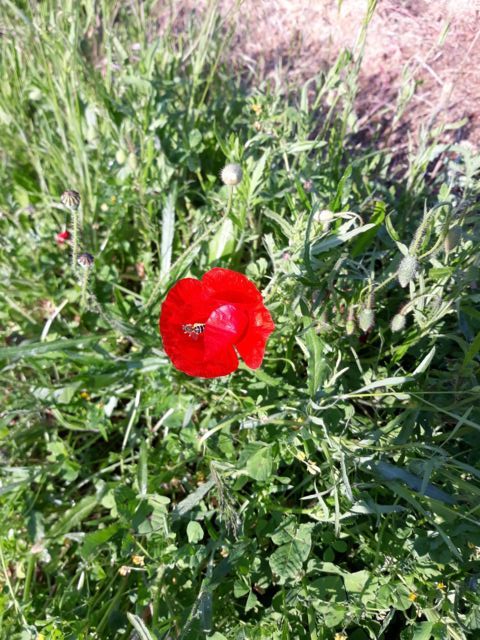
<point>193,330</point>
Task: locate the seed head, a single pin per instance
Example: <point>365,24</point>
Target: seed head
<point>86,260</point>
<point>398,323</point>
<point>231,174</point>
<point>366,319</point>
<point>407,270</point>
<point>70,199</point>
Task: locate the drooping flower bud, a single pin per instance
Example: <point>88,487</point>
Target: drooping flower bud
<point>70,199</point>
<point>350,325</point>
<point>231,175</point>
<point>452,239</point>
<point>366,319</point>
<point>86,260</point>
<point>407,270</point>
<point>398,322</point>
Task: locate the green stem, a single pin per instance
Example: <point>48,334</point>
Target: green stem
<point>10,588</point>
<point>28,578</point>
<point>83,297</point>
<point>229,202</point>
<point>112,605</point>
<point>74,239</point>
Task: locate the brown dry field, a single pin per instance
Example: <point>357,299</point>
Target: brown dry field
<point>432,44</point>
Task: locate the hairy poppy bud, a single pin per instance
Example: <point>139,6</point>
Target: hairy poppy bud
<point>398,323</point>
<point>86,260</point>
<point>70,199</point>
<point>366,319</point>
<point>350,325</point>
<point>324,216</point>
<point>231,174</point>
<point>407,270</point>
<point>452,239</point>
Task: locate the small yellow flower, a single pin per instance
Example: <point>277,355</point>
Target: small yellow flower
<point>340,636</point>
<point>124,570</point>
<point>85,396</point>
<point>412,596</point>
<point>441,586</point>
<point>113,200</point>
<point>257,109</point>
<point>139,561</point>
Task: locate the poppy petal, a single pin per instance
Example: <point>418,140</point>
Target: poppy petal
<point>231,287</point>
<point>225,327</point>
<point>251,347</point>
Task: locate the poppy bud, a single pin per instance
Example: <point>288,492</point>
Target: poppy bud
<point>231,174</point>
<point>324,216</point>
<point>62,237</point>
<point>350,326</point>
<point>86,260</point>
<point>366,319</point>
<point>407,270</point>
<point>398,323</point>
<point>452,239</point>
<point>70,199</point>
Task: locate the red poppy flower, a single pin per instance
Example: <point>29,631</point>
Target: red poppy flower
<point>205,323</point>
<point>62,237</point>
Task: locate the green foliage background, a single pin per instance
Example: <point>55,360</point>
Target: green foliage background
<point>332,493</point>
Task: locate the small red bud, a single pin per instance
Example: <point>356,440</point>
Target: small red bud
<point>62,237</point>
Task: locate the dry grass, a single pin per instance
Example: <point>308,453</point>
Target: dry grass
<point>433,43</point>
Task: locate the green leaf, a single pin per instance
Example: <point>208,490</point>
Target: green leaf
<point>259,465</point>
<point>140,627</point>
<point>168,231</point>
<point>317,365</point>
<point>422,631</point>
<point>96,539</point>
<point>142,470</point>
<point>192,500</point>
<point>223,242</point>
<point>286,562</point>
<point>355,582</point>
<point>194,532</point>
<point>34,349</point>
<point>335,240</point>
<point>473,349</point>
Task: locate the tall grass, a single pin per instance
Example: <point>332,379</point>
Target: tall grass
<point>332,493</point>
